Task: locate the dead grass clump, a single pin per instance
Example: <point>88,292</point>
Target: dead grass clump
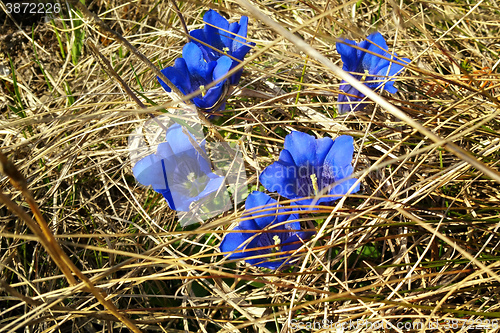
<point>417,246</point>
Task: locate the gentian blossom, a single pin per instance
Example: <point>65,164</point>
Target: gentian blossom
<point>192,72</point>
<point>309,167</point>
<point>368,68</point>
<point>178,171</point>
<point>225,38</point>
<point>271,231</point>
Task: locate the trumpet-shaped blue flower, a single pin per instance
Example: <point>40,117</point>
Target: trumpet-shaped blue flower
<point>368,68</point>
<point>178,171</point>
<point>269,231</point>
<point>225,38</point>
<point>308,167</point>
<point>192,72</point>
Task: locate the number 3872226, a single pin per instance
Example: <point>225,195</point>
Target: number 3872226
<point>33,8</point>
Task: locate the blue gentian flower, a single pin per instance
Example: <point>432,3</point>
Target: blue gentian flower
<point>308,167</point>
<point>226,38</point>
<point>271,230</point>
<point>366,67</point>
<point>178,171</point>
<point>192,72</point>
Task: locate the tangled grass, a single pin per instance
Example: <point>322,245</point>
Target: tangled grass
<point>418,246</point>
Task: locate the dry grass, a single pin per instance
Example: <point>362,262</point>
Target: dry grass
<point>418,244</point>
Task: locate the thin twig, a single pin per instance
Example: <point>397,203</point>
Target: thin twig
<point>181,18</point>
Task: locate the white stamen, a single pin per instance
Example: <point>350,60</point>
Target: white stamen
<point>191,176</point>
<point>363,78</point>
<point>203,91</point>
<point>314,181</point>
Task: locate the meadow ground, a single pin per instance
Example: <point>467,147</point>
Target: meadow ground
<point>89,250</point>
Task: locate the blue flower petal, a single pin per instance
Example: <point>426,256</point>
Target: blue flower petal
<point>162,83</point>
<point>248,223</point>
<point>295,241</point>
<point>179,172</point>
<point>242,51</point>
<point>394,70</point>
<point>344,172</point>
<point>349,103</point>
<point>181,144</point>
<point>234,242</point>
<point>294,224</point>
<point>286,158</point>
<point>225,38</point>
<point>223,65</point>
<point>389,87</point>
<point>240,48</point>
<point>212,18</point>
<point>280,178</point>
<point>182,199</point>
<point>212,96</point>
<point>206,102</point>
<point>323,146</point>
<point>215,184</point>
<point>371,67</point>
<point>257,199</point>
<point>349,55</point>
<point>199,34</point>
<point>198,68</point>
<point>168,197</point>
<point>240,39</point>
<point>149,171</point>
<point>164,151</point>
<point>192,72</point>
<point>229,35</point>
<point>292,175</point>
<point>372,62</point>
<point>302,147</point>
<point>378,39</point>
<point>178,75</point>
<point>262,240</point>
<point>341,152</point>
<point>214,21</point>
<point>292,243</point>
<point>179,141</point>
<point>254,204</point>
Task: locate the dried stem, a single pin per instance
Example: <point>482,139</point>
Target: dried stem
<point>48,240</point>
